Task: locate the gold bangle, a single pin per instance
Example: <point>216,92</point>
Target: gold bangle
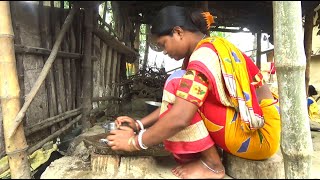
<point>130,143</point>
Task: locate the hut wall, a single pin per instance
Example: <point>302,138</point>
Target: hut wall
<point>67,72</point>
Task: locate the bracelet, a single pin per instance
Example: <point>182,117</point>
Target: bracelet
<point>130,142</point>
<point>137,126</point>
<point>134,143</point>
<point>142,146</point>
<point>140,124</point>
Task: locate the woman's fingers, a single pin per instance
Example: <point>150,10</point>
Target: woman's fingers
<point>125,128</point>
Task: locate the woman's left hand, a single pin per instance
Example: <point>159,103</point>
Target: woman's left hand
<point>118,139</point>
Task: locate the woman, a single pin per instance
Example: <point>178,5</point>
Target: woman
<point>313,109</point>
<point>219,100</point>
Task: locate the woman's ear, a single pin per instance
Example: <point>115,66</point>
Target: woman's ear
<point>178,30</point>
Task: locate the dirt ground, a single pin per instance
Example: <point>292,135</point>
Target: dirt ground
<point>141,167</point>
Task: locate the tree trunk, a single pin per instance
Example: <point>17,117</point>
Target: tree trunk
<point>16,146</point>
<point>290,61</point>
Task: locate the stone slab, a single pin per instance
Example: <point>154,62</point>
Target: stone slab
<point>239,168</point>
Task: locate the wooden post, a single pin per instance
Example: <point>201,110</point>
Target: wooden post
<point>44,43</point>
<point>136,44</point>
<point>87,70</point>
<point>109,69</point>
<point>290,61</point>
<point>258,58</point>
<point>44,71</point>
<point>9,95</point>
<point>308,28</point>
<point>146,51</point>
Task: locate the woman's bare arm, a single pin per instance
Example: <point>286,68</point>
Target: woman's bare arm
<point>150,119</point>
<point>264,92</point>
<point>179,117</point>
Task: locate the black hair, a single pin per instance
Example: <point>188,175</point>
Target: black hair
<point>312,91</point>
<point>171,16</point>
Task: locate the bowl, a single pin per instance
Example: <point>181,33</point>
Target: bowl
<point>152,105</point>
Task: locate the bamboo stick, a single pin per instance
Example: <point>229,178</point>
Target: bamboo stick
<point>44,71</point>
<point>290,61</point>
<point>52,120</point>
<point>54,135</point>
<point>9,96</point>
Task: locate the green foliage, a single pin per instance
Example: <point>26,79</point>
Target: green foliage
<point>219,34</point>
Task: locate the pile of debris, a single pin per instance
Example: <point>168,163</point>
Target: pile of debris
<point>147,83</point>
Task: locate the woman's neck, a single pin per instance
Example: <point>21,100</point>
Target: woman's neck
<point>194,42</point>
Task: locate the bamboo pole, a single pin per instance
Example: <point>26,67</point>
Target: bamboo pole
<point>290,61</point>
<point>54,135</point>
<point>52,120</point>
<point>9,95</point>
<point>44,71</point>
<point>44,141</point>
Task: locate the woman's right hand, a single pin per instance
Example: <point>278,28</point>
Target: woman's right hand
<point>121,120</point>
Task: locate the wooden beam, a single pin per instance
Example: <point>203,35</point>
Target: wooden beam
<point>106,98</point>
<point>115,44</point>
<point>258,58</point>
<point>20,49</point>
<point>52,120</point>
<point>108,26</point>
<point>54,135</point>
<point>228,30</point>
